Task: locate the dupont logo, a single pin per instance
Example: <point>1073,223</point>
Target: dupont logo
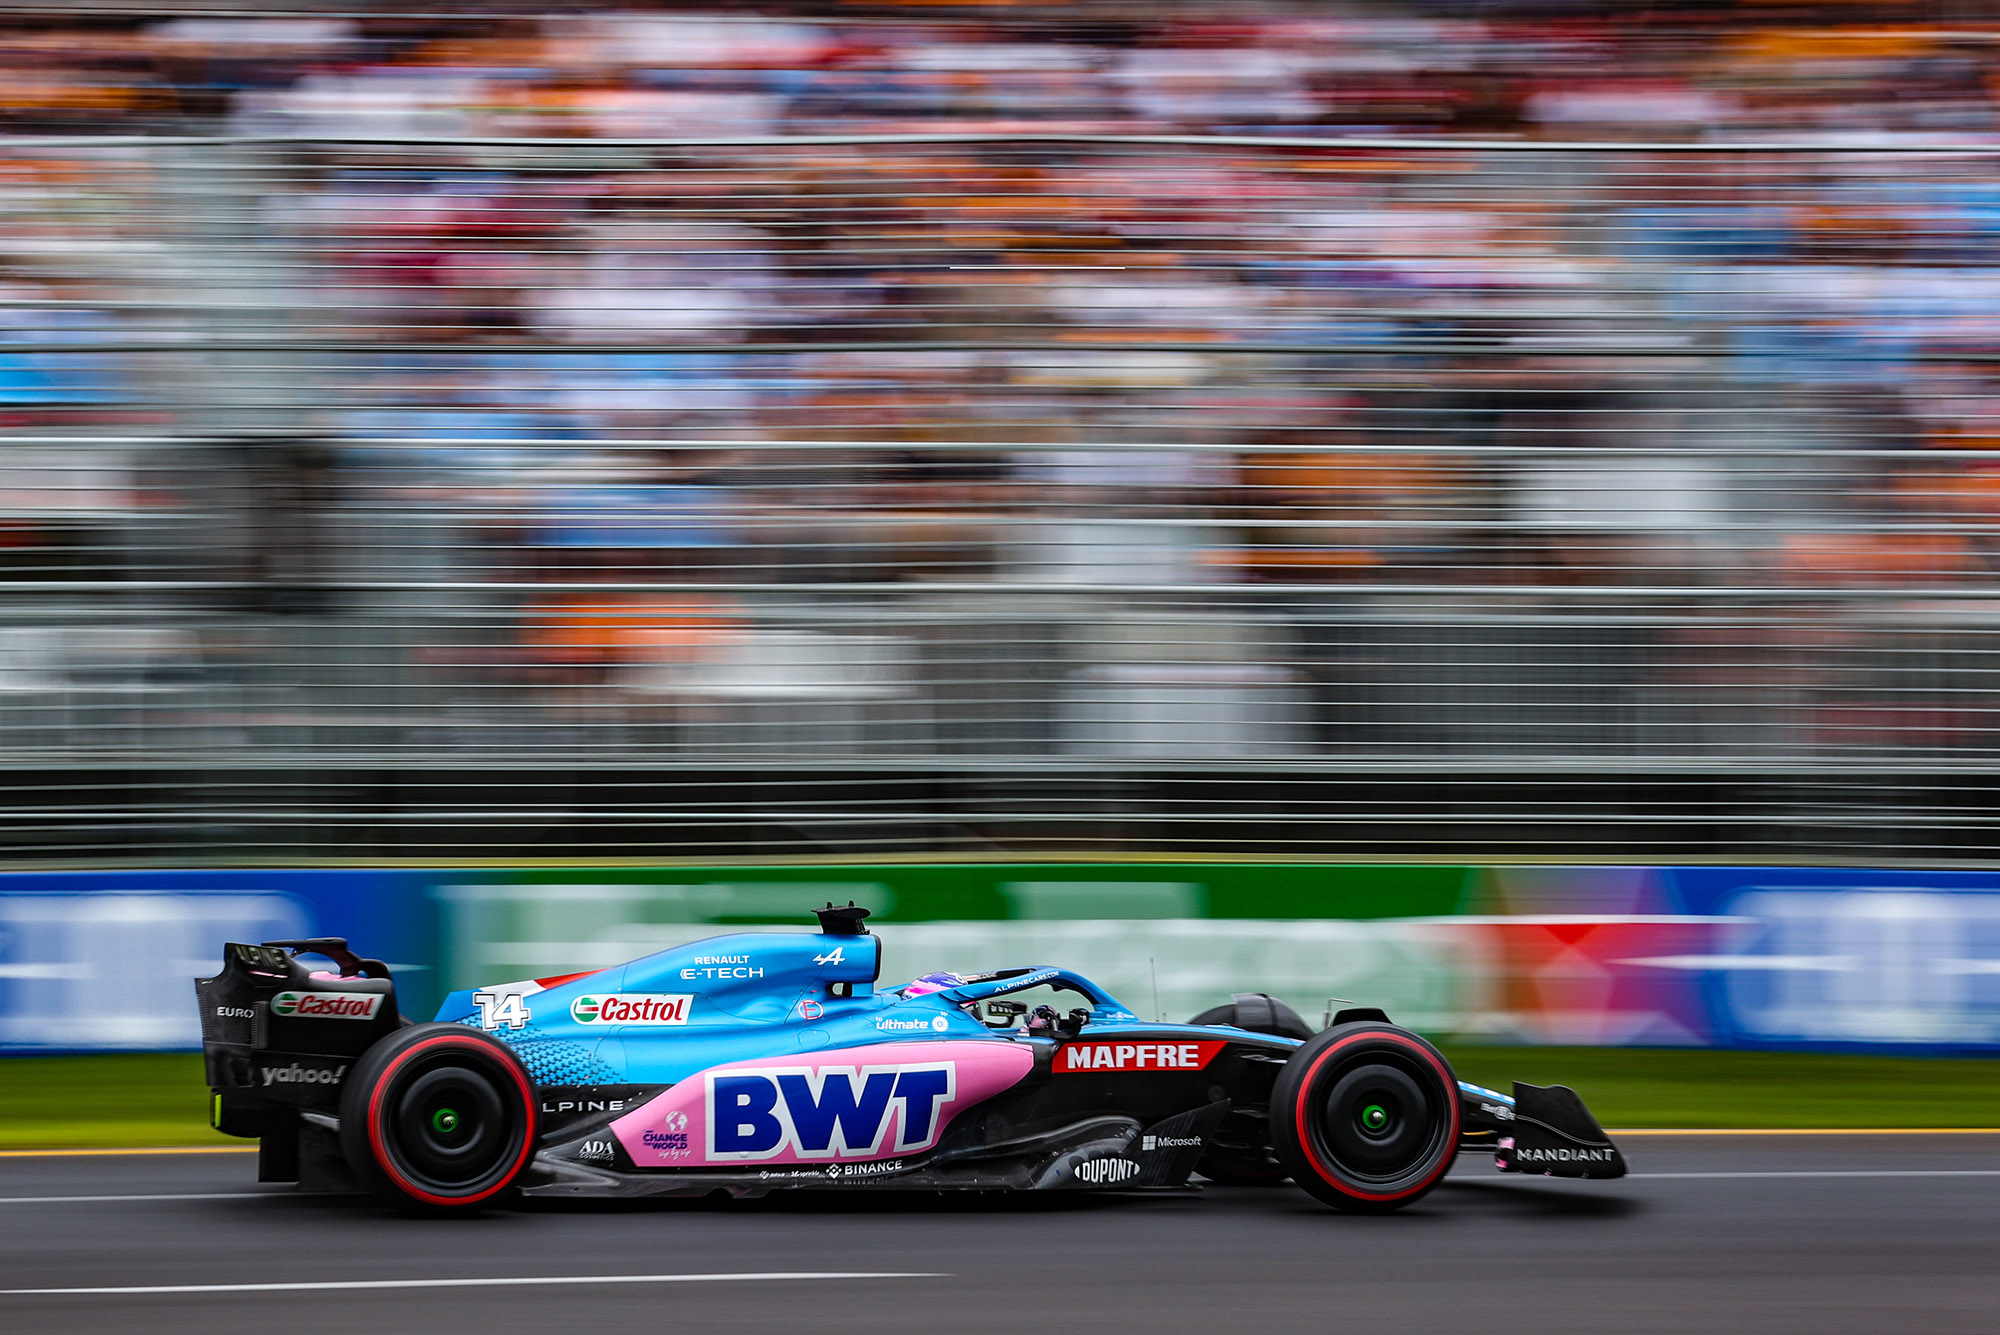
<point>649,1008</point>
<point>1138,1056</point>
<point>1097,1172</point>
<point>327,1005</point>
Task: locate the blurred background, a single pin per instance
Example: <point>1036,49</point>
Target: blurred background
<point>1511,486</point>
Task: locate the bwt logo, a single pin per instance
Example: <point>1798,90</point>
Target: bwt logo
<point>836,1112</point>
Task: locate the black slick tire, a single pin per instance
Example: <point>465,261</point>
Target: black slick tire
<point>1366,1117</point>
<point>439,1119</point>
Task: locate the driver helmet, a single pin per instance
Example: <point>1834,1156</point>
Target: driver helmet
<point>932,982</point>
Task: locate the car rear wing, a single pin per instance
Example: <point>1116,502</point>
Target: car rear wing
<point>275,1032</point>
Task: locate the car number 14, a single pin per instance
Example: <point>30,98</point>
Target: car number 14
<point>496,1009</point>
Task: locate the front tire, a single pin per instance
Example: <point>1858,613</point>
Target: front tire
<point>439,1119</point>
<point>1366,1117</point>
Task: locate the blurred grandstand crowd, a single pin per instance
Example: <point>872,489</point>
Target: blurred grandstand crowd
<point>1567,70</point>
<point>726,370</point>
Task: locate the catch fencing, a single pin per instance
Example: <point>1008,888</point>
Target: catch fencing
<point>890,493</point>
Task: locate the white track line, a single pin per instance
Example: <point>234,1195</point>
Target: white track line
<point>496,1282</point>
<point>1718,1175</point>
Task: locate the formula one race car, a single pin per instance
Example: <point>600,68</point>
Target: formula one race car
<point>759,1061</point>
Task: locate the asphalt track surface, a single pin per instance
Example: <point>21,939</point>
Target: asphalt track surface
<point>1711,1233</point>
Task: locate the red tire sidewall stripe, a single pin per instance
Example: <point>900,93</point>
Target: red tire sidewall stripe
<point>1327,1174</point>
<point>381,1150</point>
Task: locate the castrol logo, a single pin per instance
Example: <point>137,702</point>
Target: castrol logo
<point>632,1008</point>
<point>327,1005</point>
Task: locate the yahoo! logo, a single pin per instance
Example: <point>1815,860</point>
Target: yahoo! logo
<point>832,1113</point>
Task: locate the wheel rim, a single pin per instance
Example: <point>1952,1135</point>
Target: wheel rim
<point>1379,1121</point>
<point>448,1128</point>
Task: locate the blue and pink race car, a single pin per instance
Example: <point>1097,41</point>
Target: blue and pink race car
<point>761,1061</point>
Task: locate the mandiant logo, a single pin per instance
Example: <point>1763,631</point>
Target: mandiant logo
<point>1562,1156</point>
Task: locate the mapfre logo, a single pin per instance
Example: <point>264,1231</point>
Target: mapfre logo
<point>832,1113</point>
<point>327,1005</point>
<point>1138,1056</point>
<point>649,1008</point>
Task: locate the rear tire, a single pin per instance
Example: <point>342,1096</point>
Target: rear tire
<point>1366,1117</point>
<point>439,1119</point>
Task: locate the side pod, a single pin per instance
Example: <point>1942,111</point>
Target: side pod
<point>1552,1133</point>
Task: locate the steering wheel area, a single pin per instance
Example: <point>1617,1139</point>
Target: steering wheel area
<point>985,995</point>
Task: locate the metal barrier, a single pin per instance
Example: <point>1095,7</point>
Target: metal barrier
<point>1053,464</point>
<point>1902,960</point>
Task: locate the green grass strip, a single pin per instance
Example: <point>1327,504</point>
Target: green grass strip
<point>1699,1087</point>
<point>105,1102</point>
<point>159,1099</point>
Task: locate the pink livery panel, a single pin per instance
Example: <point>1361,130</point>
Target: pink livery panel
<point>882,1102</point>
